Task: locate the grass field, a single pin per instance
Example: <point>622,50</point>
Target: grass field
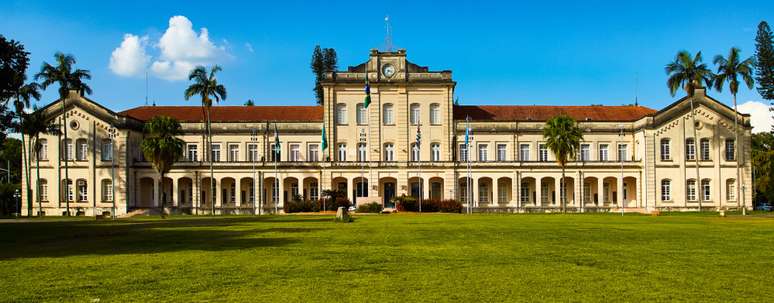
<point>395,258</point>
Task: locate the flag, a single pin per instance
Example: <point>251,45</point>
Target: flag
<point>368,94</point>
<point>277,147</point>
<point>324,140</point>
<point>419,136</point>
<point>467,135</point>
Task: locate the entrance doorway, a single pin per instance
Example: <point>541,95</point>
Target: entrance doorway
<point>389,193</point>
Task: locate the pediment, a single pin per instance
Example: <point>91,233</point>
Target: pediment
<point>76,105</point>
<point>707,110</point>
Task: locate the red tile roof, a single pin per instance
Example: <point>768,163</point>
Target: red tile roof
<point>229,113</point>
<point>543,113</point>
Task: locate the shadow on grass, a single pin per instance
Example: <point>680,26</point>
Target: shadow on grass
<point>144,236</point>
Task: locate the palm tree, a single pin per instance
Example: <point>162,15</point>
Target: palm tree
<point>162,147</point>
<point>22,100</point>
<point>688,72</point>
<point>68,79</point>
<point>206,86</point>
<point>730,70</point>
<point>33,125</point>
<point>563,137</point>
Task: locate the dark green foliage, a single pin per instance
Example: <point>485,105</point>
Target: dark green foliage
<point>563,137</point>
<point>8,203</point>
<point>14,61</point>
<point>161,146</point>
<point>409,203</point>
<point>764,65</point>
<point>301,206</point>
<point>687,72</point>
<point>11,152</point>
<point>373,208</point>
<point>324,60</point>
<point>450,206</point>
<point>763,163</point>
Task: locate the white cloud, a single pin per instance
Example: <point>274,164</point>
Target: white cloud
<point>130,59</point>
<point>180,48</point>
<point>760,117</point>
<point>249,47</point>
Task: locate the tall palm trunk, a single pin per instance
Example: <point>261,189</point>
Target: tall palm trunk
<point>736,157</point>
<point>696,154</point>
<point>213,186</point>
<point>37,175</point>
<point>161,196</point>
<point>561,188</point>
<point>67,158</point>
<point>26,168</point>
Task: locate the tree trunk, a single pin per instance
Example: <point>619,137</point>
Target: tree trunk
<point>37,174</point>
<point>67,159</point>
<point>161,195</point>
<point>737,158</point>
<point>561,187</point>
<point>213,186</point>
<point>25,167</point>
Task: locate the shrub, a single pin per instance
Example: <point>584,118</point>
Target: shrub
<point>298,206</point>
<point>333,204</point>
<point>408,203</point>
<point>450,206</point>
<point>372,207</point>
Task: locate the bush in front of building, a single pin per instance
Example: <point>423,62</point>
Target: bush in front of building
<point>301,206</point>
<point>406,203</point>
<point>450,206</point>
<point>372,207</point>
<point>333,204</point>
<point>409,203</point>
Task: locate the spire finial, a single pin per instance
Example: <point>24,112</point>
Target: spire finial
<point>388,34</point>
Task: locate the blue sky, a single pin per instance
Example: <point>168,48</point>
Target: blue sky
<point>589,52</point>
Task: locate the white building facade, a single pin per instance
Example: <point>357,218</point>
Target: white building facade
<point>631,156</point>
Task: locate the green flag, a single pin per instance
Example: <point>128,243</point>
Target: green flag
<point>324,139</point>
<point>368,95</point>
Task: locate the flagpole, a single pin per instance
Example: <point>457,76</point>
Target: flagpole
<point>276,174</point>
<point>419,161</point>
<point>467,157</point>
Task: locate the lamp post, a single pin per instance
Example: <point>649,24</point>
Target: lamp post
<point>621,159</point>
<point>254,139</point>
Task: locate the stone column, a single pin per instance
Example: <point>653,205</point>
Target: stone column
<point>238,190</point>
<point>155,192</point>
<point>475,192</point>
<point>495,192</point>
<point>557,192</point>
<point>216,193</point>
<point>351,191</point>
<point>600,192</point>
<point>281,193</point>
<point>538,191</point>
<point>620,192</point>
<point>173,195</point>
<point>425,188</point>
<point>515,190</point>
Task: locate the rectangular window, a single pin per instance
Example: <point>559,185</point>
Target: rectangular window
<point>622,155</point>
<point>705,149</point>
<point>295,152</point>
<point>252,152</point>
<point>483,194</point>
<point>107,190</point>
<point>524,193</point>
<point>502,194</point>
<point>314,153</point>
<point>215,152</point>
<point>542,153</point>
<point>69,152</point>
<point>665,150</point>
<point>730,190</point>
<point>524,152</point>
<point>414,114</point>
<point>107,150</point>
<point>603,152</point>
<point>587,193</point>
<point>43,151</point>
<point>730,150</point>
<point>341,114</point>
<point>362,114</point>
<point>482,152</point>
<point>543,193</point>
<point>585,154</point>
<point>463,152</point>
<point>83,149</point>
<point>691,190</point>
<point>388,115</point>
<point>193,152</point>
<point>69,190</point>
<point>665,190</point>
<point>43,190</point>
<point>501,152</point>
<point>690,149</point>
<point>361,152</point>
<point>314,194</point>
<point>705,190</point>
<point>233,152</point>
<point>342,152</point>
<point>435,114</point>
<point>276,152</point>
<point>83,193</point>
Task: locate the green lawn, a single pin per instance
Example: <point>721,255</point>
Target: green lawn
<point>396,258</point>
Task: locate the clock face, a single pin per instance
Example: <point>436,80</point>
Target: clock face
<point>388,70</point>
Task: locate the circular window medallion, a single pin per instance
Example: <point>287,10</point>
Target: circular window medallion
<point>74,124</point>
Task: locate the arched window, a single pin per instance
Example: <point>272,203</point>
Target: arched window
<point>68,152</point>
<point>665,150</point>
<point>388,115</point>
<point>731,190</point>
<point>389,152</point>
<point>414,114</point>
<point>435,114</point>
<point>706,191</point>
<point>362,114</point>
<point>82,148</point>
<point>107,150</point>
<point>690,190</point>
<point>414,152</point>
<point>342,152</point>
<point>666,190</point>
<point>107,190</point>
<point>705,149</point>
<point>435,152</point>
<point>42,149</point>
<point>341,114</point>
<point>68,190</point>
<point>83,190</point>
<point>42,190</point>
<point>690,149</point>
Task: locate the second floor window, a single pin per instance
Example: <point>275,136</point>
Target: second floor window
<point>435,150</point>
<point>314,153</point>
<point>585,153</point>
<point>276,152</point>
<point>414,114</point>
<point>501,152</point>
<point>233,152</point>
<point>622,156</point>
<point>730,150</point>
<point>463,152</point>
<point>482,152</point>
<point>252,152</point>
<point>342,152</point>
<point>414,152</point>
<point>542,153</point>
<point>690,149</point>
<point>389,152</point>
<point>388,115</point>
<point>524,152</point>
<point>361,152</point>
<point>705,149</point>
<point>603,156</point>
<point>68,152</point>
<point>341,114</point>
<point>665,150</point>
<point>107,150</point>
<point>362,114</point>
<point>83,148</point>
<point>192,152</point>
<point>295,152</point>
<point>435,114</point>
<point>215,156</point>
<point>43,151</point>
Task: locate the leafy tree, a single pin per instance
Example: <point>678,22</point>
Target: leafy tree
<point>34,124</point>
<point>14,61</point>
<point>249,102</point>
<point>762,155</point>
<point>563,137</point>
<point>68,79</point>
<point>11,152</point>
<point>206,85</point>
<point>162,147</point>
<point>22,99</point>
<point>323,61</point>
<point>764,67</point>
<point>730,70</point>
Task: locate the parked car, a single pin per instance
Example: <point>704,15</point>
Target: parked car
<point>764,207</point>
